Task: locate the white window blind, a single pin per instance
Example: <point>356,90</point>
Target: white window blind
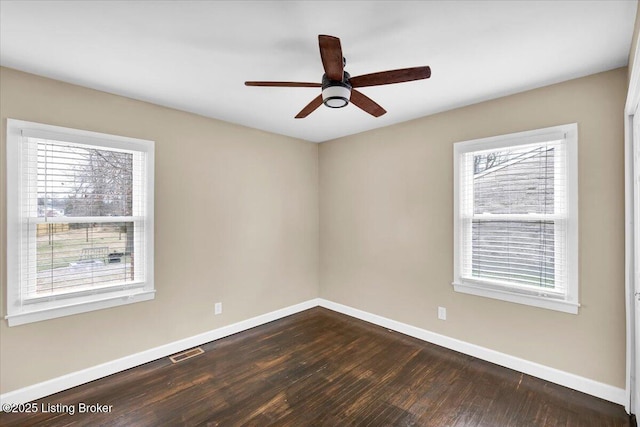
<point>515,222</point>
<point>84,221</point>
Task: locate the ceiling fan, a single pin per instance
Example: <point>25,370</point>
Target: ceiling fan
<point>338,87</point>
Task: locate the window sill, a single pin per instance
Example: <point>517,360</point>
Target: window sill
<point>518,298</point>
<point>75,307</point>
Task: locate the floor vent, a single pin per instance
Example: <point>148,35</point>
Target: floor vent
<point>186,355</point>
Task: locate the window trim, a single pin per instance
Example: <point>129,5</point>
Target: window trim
<point>569,302</point>
<point>18,313</point>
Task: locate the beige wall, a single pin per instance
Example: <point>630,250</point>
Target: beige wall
<point>385,214</point>
<point>236,220</point>
<point>386,227</point>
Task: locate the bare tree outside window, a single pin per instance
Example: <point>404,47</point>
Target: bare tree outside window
<point>102,184</point>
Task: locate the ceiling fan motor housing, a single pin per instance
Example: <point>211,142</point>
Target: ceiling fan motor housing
<point>336,94</point>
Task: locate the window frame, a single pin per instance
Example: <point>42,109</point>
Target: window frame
<point>568,300</point>
<point>23,308</point>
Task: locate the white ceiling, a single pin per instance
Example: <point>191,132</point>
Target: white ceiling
<point>196,55</point>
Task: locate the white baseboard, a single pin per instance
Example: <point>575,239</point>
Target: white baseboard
<point>74,379</point>
<point>55,385</point>
<point>576,382</point>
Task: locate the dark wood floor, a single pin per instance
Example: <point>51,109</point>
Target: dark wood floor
<point>320,368</point>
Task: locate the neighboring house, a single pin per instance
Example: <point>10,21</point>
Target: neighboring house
<point>514,183</point>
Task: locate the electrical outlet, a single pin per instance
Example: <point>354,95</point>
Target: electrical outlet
<point>218,308</point>
<point>442,313</point>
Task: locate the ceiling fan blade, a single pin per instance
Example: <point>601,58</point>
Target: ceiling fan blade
<point>310,108</point>
<point>331,54</point>
<point>283,84</point>
<point>367,104</point>
<point>390,77</point>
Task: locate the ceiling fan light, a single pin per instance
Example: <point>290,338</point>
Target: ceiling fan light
<point>336,96</point>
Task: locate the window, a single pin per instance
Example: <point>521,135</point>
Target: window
<point>80,221</point>
<point>516,218</point>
